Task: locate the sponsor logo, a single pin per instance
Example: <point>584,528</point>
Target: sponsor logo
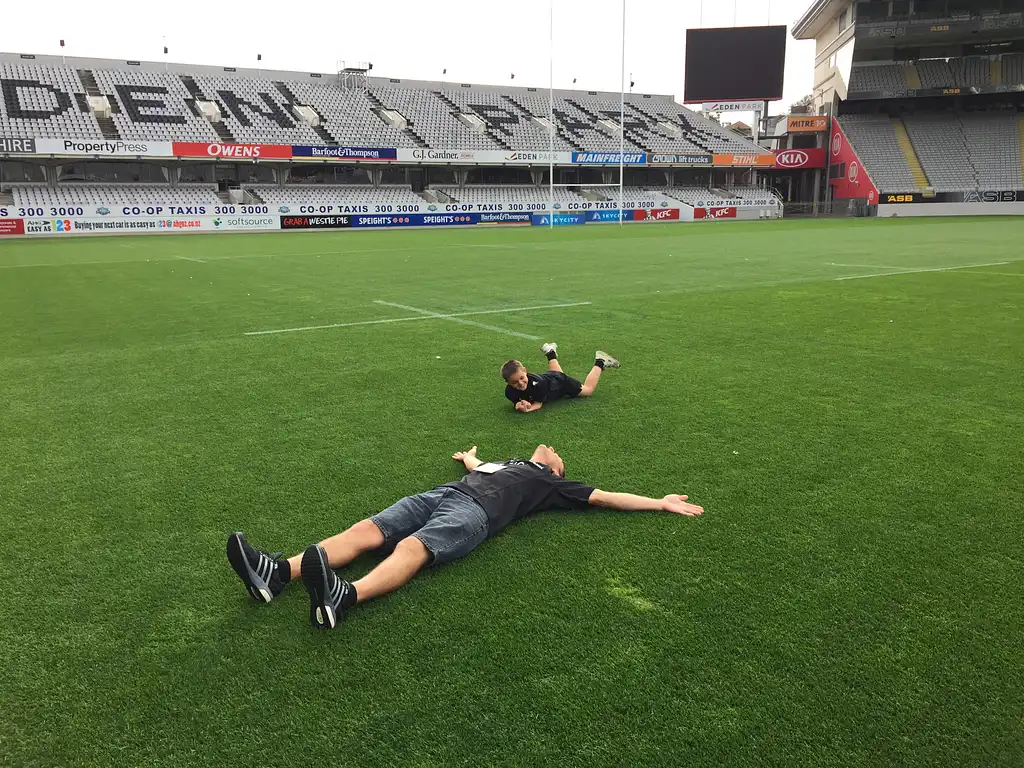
<point>808,124</point>
<point>714,213</point>
<point>853,171</point>
<point>261,222</point>
<point>441,154</point>
<point>231,151</point>
<point>679,159</point>
<point>899,198</point>
<point>17,146</point>
<point>664,203</point>
<point>505,218</point>
<point>35,226</point>
<point>315,222</point>
<point>180,224</point>
<point>733,106</point>
<point>284,209</point>
<point>837,144</point>
<point>12,226</point>
<point>346,153</point>
<point>217,222</point>
<point>431,207</point>
<point>649,214</point>
<point>105,148</point>
<point>991,196</point>
<point>608,158</point>
<point>791,158</point>
<point>103,211</point>
<point>115,224</point>
<point>745,160</point>
<point>530,157</point>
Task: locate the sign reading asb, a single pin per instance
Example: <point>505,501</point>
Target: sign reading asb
<point>346,153</point>
<point>608,158</point>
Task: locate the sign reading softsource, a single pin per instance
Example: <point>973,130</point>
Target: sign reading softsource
<point>806,123</point>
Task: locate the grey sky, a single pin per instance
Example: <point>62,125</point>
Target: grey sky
<point>477,41</point>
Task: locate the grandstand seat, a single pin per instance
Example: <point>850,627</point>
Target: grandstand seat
<point>336,194</point>
<point>85,194</point>
<point>875,141</point>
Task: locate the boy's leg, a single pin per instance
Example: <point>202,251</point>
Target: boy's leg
<point>346,546</point>
<point>550,350</point>
<point>409,557</point>
<point>602,360</point>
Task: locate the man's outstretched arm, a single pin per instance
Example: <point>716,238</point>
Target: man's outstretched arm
<point>632,503</point>
<point>468,458</point>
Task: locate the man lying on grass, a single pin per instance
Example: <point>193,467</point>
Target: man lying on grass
<point>434,527</point>
<point>529,391</point>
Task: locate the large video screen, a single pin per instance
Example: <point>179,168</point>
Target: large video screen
<point>734,64</point>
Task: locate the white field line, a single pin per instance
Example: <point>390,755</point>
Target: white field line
<point>188,258</point>
<point>430,316</point>
<point>484,326</point>
<point>1002,274</point>
<point>931,269</point>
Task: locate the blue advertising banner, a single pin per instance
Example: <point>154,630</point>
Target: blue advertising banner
<point>608,158</point>
<point>561,219</point>
<point>345,153</point>
<point>416,220</point>
<point>609,215</point>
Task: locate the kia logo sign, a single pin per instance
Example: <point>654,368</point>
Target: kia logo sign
<point>792,158</point>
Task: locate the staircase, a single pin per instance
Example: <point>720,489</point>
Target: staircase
<point>691,133</point>
<point>594,118</point>
<point>1020,135</point>
<point>995,71</point>
<point>256,199</point>
<point>292,100</point>
<point>912,75</point>
<point>107,127</point>
<point>6,198</point>
<point>197,95</point>
<point>559,130</point>
<point>903,139</point>
<point>409,132</point>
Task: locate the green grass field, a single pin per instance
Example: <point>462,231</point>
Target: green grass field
<point>852,596</point>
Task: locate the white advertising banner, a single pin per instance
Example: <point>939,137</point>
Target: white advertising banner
<point>138,225</point>
<point>761,202</point>
<point>482,156</point>
<point>103,148</point>
<point>733,106</point>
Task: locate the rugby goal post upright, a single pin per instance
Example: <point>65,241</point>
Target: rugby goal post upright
<point>554,124</point>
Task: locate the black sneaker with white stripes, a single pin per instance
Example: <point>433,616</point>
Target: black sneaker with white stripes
<point>329,596</point>
<point>258,570</point>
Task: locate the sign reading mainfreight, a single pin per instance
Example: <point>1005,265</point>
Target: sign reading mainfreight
<point>345,153</point>
<point>609,158</point>
<point>733,106</point>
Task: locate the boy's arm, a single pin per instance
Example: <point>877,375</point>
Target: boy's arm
<point>468,458</point>
<point>632,503</point>
<point>525,406</point>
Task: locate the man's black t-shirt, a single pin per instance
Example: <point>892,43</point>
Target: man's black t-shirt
<point>518,489</point>
<point>544,388</point>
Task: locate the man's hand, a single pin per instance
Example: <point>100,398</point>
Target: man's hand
<point>678,504</point>
<point>523,406</point>
<point>461,455</point>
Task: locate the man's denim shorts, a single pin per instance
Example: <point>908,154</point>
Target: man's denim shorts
<point>450,524</point>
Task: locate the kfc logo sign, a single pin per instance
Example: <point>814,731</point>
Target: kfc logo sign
<point>656,214</point>
<point>714,213</point>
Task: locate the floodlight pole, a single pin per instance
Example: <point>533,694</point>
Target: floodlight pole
<point>622,109</point>
<point>551,114</point>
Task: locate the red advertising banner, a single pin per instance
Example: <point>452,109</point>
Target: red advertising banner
<point>12,226</point>
<point>848,177</point>
<point>232,151</point>
<point>656,214</point>
<point>799,159</point>
<point>714,213</point>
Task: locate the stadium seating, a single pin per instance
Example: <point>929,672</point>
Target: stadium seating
<point>71,121</point>
<point>434,120</point>
<point>348,115</point>
<point>170,122</point>
<point>350,194</point>
<point>506,194</point>
<point>878,77</point>
<point>115,195</point>
<point>506,118</point>
<point>874,140</point>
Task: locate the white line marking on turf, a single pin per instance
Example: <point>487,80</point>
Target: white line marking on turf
<point>440,316</point>
<point>188,258</point>
<point>931,269</point>
<point>1003,274</point>
<point>431,316</point>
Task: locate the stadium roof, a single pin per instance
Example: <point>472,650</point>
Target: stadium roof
<point>821,12</point>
